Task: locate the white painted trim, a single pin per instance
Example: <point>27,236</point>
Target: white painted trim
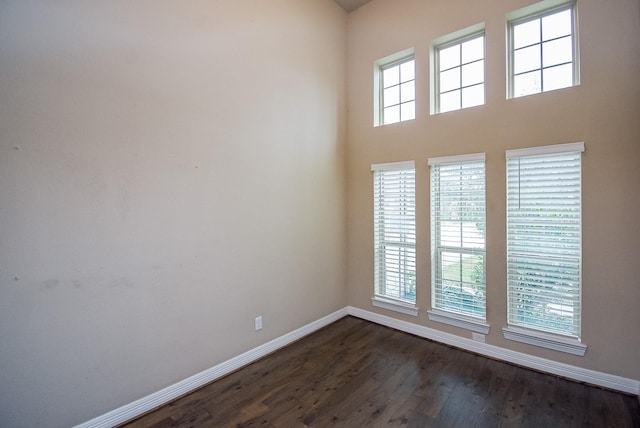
<point>618,383</point>
<point>461,321</point>
<point>473,157</point>
<point>393,166</point>
<point>150,402</point>
<point>549,341</point>
<point>394,305</point>
<point>545,150</point>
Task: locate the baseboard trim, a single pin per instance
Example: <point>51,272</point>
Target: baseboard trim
<point>164,396</point>
<point>618,383</point>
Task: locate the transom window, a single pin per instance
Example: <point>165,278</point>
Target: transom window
<point>543,52</point>
<point>460,73</point>
<point>399,91</point>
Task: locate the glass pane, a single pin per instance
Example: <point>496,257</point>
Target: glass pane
<point>408,91</point>
<point>473,96</point>
<point>556,25</point>
<point>557,52</point>
<point>450,101</point>
<point>408,110</point>
<point>449,57</point>
<point>407,71</point>
<point>450,79</point>
<point>526,34</point>
<point>391,115</point>
<point>526,59</point>
<point>473,50</point>
<point>451,263</point>
<point>391,76</point>
<point>473,73</point>
<point>450,234</point>
<point>558,77</point>
<point>391,96</point>
<point>526,84</point>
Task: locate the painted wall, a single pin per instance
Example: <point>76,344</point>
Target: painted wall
<point>168,171</point>
<point>604,112</point>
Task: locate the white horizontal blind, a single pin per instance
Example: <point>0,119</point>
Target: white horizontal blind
<point>395,230</point>
<point>458,229</point>
<point>544,243</point>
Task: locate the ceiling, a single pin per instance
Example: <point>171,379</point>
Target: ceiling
<point>350,5</point>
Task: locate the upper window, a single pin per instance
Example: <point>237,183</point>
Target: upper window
<point>458,79</point>
<point>544,244</point>
<point>543,49</point>
<point>395,230</point>
<point>458,234</point>
<point>395,81</point>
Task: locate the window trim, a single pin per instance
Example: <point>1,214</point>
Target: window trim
<point>560,342</point>
<point>537,11</point>
<point>476,324</point>
<point>379,299</point>
<point>378,91</point>
<point>452,39</point>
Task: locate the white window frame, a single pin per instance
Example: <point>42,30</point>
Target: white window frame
<point>403,222</point>
<point>533,12</point>
<point>444,42</point>
<point>523,331</point>
<point>460,318</point>
<point>378,91</point>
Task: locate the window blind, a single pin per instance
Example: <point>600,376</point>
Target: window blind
<point>458,229</point>
<point>394,230</point>
<point>544,242</point>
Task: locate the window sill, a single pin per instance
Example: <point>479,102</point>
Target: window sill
<point>545,340</point>
<point>394,305</point>
<point>457,320</point>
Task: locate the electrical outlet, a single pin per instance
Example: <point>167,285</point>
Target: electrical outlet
<point>259,323</point>
<point>477,337</point>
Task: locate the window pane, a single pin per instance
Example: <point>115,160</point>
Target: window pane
<point>449,57</point>
<point>407,71</point>
<point>473,73</point>
<point>557,51</point>
<point>407,91</point>
<point>392,114</point>
<point>526,34</point>
<point>558,77</point>
<point>556,25</point>
<point>408,110</point>
<point>450,101</point>
<point>527,84</point>
<point>526,59</point>
<point>473,96</point>
<point>391,96</point>
<point>473,50</point>
<point>450,80</point>
<point>391,76</point>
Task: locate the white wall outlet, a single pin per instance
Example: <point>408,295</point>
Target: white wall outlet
<point>259,323</point>
<point>477,337</point>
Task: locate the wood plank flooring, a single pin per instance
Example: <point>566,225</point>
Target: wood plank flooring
<point>354,373</point>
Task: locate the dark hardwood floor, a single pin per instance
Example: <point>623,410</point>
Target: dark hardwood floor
<point>354,373</point>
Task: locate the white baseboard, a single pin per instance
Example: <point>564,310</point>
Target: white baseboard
<point>150,402</point>
<point>164,396</point>
<point>592,377</point>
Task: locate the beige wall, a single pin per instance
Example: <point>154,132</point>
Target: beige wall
<point>604,112</point>
<point>169,170</point>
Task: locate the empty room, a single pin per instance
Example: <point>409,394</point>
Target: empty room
<point>319,213</point>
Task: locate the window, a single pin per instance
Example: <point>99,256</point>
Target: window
<point>458,234</point>
<point>394,79</point>
<point>544,245</point>
<point>459,76</point>
<point>543,49</point>
<point>395,231</point>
